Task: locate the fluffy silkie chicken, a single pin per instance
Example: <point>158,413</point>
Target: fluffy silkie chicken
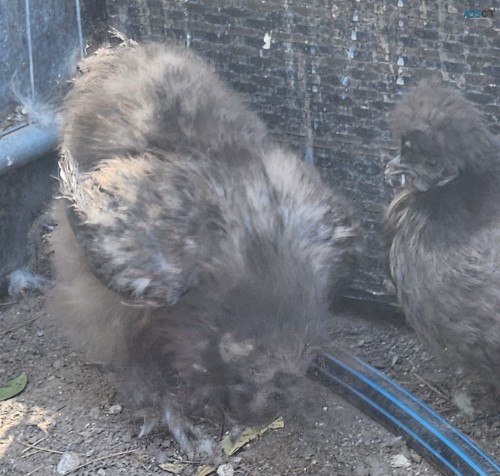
<point>194,256</point>
<point>443,226</point>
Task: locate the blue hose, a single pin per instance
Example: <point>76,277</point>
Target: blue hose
<point>26,144</point>
<point>424,430</point>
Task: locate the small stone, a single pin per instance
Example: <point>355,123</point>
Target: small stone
<point>40,333</point>
<point>400,461</point>
<point>101,472</point>
<point>378,364</point>
<point>127,437</point>
<point>33,439</point>
<point>166,443</point>
<point>115,409</point>
<point>69,462</point>
<point>57,364</point>
<point>415,457</point>
<point>225,470</point>
<point>86,434</point>
<point>393,442</point>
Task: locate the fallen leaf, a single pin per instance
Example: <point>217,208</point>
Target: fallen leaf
<point>277,424</point>
<point>14,387</point>
<point>172,468</point>
<point>140,458</point>
<point>247,435</point>
<point>205,470</point>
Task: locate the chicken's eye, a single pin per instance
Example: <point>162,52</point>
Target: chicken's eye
<point>433,164</point>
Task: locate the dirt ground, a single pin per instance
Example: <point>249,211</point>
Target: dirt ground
<point>73,409</point>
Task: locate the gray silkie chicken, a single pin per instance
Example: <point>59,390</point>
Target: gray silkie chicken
<point>197,257</point>
<point>443,227</point>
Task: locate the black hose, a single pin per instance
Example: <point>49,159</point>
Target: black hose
<point>402,413</point>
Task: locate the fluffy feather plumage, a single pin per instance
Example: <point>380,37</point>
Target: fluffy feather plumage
<point>443,227</point>
<point>205,255</point>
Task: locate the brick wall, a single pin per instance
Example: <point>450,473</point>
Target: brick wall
<point>324,74</point>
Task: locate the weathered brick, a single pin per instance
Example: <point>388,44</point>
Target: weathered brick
<point>456,67</point>
<point>493,71</point>
<point>479,98</point>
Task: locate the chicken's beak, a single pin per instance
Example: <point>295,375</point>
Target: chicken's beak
<point>395,173</point>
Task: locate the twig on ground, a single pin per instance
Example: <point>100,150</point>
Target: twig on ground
<point>25,453</point>
<point>12,329</point>
<point>184,461</point>
<point>40,448</point>
<point>434,389</point>
<point>96,460</point>
<point>31,451</point>
<point>35,470</point>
